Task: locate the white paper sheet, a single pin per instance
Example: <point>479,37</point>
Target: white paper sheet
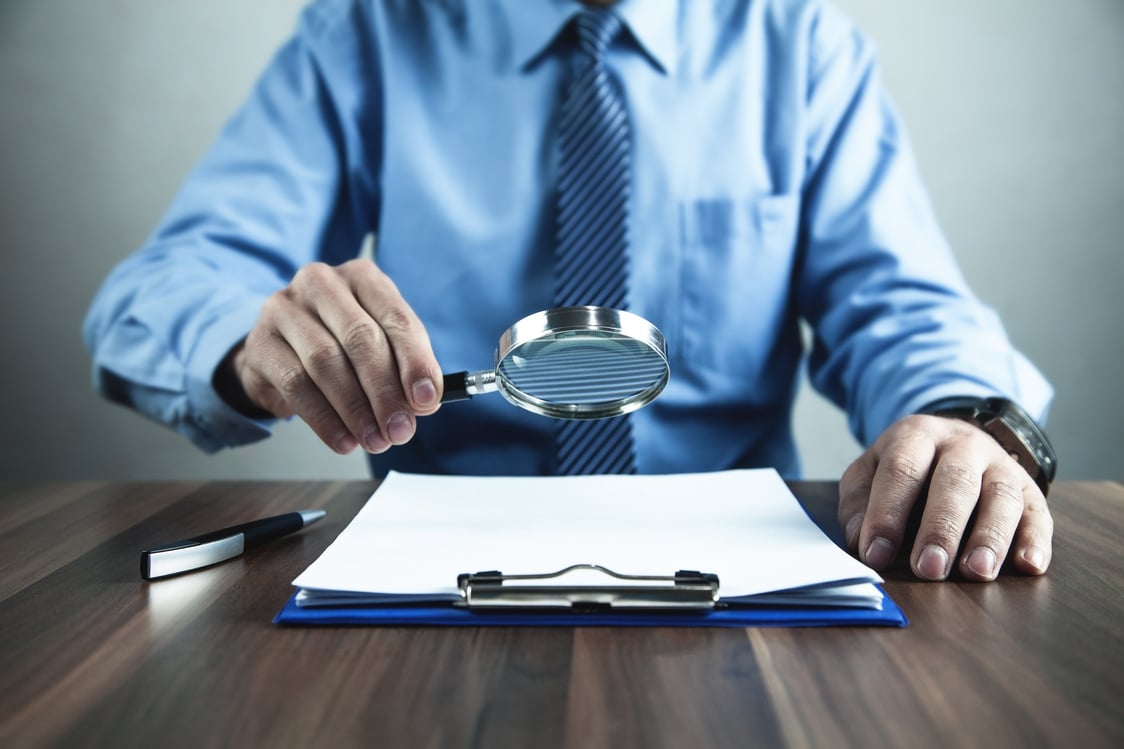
<point>417,533</point>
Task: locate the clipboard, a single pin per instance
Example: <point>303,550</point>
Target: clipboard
<point>448,615</point>
<point>686,598</point>
<point>754,556</point>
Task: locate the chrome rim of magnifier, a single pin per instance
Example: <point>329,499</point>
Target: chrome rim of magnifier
<point>629,353</point>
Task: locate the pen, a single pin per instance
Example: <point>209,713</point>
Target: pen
<point>219,546</point>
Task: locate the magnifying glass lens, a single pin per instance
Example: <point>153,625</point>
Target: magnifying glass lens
<point>573,363</point>
<point>582,374</point>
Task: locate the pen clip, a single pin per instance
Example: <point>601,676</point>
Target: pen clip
<point>172,559</point>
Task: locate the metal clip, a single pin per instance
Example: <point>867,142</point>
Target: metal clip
<point>686,589</point>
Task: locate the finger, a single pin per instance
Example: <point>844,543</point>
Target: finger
<point>371,359</point>
<point>262,393</point>
<point>1033,544</point>
<point>383,412</point>
<point>854,494</point>
<point>287,375</point>
<point>324,375</point>
<point>419,375</point>
<point>954,490</point>
<point>997,517</point>
<point>899,480</point>
<point>258,393</point>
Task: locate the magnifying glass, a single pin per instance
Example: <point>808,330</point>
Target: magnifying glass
<point>573,363</point>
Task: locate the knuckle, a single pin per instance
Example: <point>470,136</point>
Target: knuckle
<point>854,491</point>
<point>396,320</point>
<point>326,425</point>
<point>312,273</point>
<point>360,336</point>
<point>1039,515</point>
<point>944,528</point>
<point>903,469</point>
<point>365,271</point>
<point>957,477</point>
<point>276,305</point>
<point>1038,510</point>
<point>257,341</point>
<point>292,380</point>
<point>275,299</point>
<point>855,477</point>
<point>888,520</point>
<point>995,537</point>
<point>356,411</point>
<point>913,423</point>
<point>385,397</point>
<point>389,395</point>
<point>360,266</point>
<point>879,527</point>
<point>375,273</point>
<point>324,357</point>
<point>1006,495</point>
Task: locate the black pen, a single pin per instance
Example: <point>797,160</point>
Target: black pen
<point>219,546</point>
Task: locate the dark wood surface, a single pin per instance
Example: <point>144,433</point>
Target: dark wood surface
<point>92,656</point>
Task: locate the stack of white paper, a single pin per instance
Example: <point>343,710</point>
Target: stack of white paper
<point>417,533</point>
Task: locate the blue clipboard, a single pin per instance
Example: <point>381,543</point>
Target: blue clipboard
<point>449,615</point>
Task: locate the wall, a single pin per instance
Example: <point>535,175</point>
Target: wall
<point>1014,108</point>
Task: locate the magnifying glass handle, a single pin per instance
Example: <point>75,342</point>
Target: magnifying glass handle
<point>460,386</point>
<point>456,387</point>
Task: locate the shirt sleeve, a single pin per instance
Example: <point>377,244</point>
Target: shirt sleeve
<point>273,193</point>
<point>895,325</point>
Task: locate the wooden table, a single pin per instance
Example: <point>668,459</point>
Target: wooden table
<point>92,656</point>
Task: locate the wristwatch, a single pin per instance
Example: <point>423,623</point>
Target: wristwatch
<point>1011,426</point>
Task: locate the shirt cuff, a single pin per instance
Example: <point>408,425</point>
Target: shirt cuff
<point>1025,386</point>
<point>215,424</point>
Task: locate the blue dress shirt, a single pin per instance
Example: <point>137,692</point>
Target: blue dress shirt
<point>772,183</point>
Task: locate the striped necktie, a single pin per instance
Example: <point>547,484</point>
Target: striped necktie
<point>591,256</point>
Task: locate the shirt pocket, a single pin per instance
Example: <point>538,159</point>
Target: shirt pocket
<point>736,284</point>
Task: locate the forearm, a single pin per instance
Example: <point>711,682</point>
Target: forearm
<point>896,326</point>
<point>157,330</point>
<point>271,195</point>
<point>894,363</point>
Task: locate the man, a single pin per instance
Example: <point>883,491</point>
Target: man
<point>768,181</point>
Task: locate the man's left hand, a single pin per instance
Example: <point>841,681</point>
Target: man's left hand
<point>980,507</point>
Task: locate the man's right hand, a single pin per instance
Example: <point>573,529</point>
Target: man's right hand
<point>340,348</point>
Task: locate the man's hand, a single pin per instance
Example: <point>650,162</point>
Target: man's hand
<point>980,506</point>
<point>340,348</point>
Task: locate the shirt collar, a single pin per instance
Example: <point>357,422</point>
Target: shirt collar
<point>655,25</point>
<point>536,23</point>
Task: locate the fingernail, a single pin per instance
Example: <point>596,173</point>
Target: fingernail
<point>399,428</point>
<point>879,554</point>
<point>345,443</point>
<point>375,442</point>
<point>425,393</point>
<point>932,564</point>
<point>982,562</point>
<point>854,525</point>
<point>1035,557</point>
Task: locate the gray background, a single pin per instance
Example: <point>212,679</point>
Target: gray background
<point>1015,108</point>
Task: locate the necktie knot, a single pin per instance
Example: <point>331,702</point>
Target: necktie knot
<point>596,28</point>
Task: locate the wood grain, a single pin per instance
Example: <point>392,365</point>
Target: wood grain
<point>92,656</point>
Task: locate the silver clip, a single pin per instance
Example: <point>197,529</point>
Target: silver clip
<point>686,589</point>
